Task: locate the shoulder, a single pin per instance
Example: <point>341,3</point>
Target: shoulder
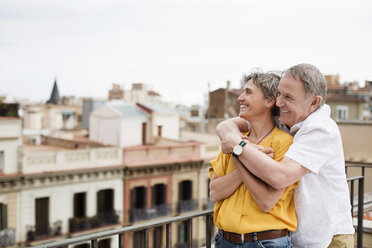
<point>281,137</point>
<point>319,125</point>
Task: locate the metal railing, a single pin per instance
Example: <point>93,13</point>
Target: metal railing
<point>139,214</point>
<point>360,205</point>
<point>7,237</point>
<point>93,238</point>
<point>42,231</point>
<point>187,205</point>
<point>77,224</point>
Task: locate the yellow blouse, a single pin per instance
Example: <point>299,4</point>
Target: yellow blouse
<point>239,212</point>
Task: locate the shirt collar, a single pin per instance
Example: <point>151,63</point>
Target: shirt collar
<point>325,109</point>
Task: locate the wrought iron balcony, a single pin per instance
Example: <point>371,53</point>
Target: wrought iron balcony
<point>85,223</point>
<point>139,214</point>
<point>187,205</point>
<point>208,204</point>
<point>7,237</point>
<point>43,231</point>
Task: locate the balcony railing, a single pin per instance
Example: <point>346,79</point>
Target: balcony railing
<point>85,223</point>
<point>93,238</point>
<point>7,237</point>
<point>139,214</point>
<point>145,227</point>
<point>43,231</point>
<point>187,205</point>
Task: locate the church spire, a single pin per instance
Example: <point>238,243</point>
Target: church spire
<point>54,97</point>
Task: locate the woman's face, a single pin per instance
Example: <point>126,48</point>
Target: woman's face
<point>252,102</point>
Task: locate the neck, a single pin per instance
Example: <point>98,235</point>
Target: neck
<point>260,127</point>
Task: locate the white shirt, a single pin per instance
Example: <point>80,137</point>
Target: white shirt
<point>322,197</point>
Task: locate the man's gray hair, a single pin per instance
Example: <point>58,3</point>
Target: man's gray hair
<point>313,80</point>
<point>268,83</point>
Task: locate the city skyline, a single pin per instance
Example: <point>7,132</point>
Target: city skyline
<point>176,48</point>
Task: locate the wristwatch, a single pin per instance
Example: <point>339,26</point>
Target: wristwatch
<point>238,149</point>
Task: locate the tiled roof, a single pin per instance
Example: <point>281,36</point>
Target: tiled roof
<point>342,98</point>
<point>157,108</point>
<point>129,110</point>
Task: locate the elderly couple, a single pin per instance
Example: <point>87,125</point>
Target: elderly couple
<point>281,183</point>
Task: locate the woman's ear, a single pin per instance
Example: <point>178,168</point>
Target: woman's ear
<point>270,103</point>
<point>315,102</point>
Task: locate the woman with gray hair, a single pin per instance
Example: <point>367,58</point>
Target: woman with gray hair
<point>248,212</point>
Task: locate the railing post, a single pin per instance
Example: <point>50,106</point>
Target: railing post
<point>94,243</point>
<point>146,238</point>
<point>121,240</point>
<point>360,212</point>
<point>169,235</point>
<point>352,197</point>
<point>189,230</point>
<point>208,231</point>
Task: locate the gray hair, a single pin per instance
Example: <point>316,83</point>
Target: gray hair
<point>268,83</point>
<point>314,81</point>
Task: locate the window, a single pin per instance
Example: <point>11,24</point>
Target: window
<point>104,243</point>
<point>159,131</point>
<point>342,112</point>
<point>159,194</point>
<point>144,128</point>
<point>185,190</point>
<point>138,197</point>
<point>42,216</point>
<point>194,113</point>
<point>82,246</point>
<point>139,239</point>
<point>183,233</point>
<point>158,236</point>
<point>3,216</point>
<point>208,190</point>
<point>79,205</point>
<point>1,160</point>
<point>105,201</point>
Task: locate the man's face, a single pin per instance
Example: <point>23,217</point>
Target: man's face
<point>292,100</point>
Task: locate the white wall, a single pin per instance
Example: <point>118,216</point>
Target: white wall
<point>131,131</point>
<point>170,125</point>
<point>53,118</point>
<point>104,126</point>
<point>10,141</point>
<point>61,202</point>
<point>32,120</point>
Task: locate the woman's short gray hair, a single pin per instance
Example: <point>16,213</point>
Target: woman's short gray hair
<point>268,83</point>
<point>313,80</point>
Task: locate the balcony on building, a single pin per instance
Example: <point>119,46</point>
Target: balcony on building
<point>106,214</point>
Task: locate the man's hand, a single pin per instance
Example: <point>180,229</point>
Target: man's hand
<point>229,141</point>
<point>229,132</point>
<point>267,150</point>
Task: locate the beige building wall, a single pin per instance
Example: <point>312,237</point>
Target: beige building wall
<point>11,201</point>
<point>356,140</point>
<point>355,109</point>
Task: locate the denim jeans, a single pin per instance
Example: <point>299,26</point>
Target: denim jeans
<point>283,242</point>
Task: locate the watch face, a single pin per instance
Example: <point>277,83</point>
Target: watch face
<point>237,149</point>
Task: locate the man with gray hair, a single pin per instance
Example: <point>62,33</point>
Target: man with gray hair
<point>315,158</point>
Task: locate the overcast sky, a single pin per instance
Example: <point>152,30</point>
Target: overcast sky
<point>176,47</point>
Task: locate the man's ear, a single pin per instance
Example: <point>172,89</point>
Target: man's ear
<point>315,102</point>
<point>270,103</point>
